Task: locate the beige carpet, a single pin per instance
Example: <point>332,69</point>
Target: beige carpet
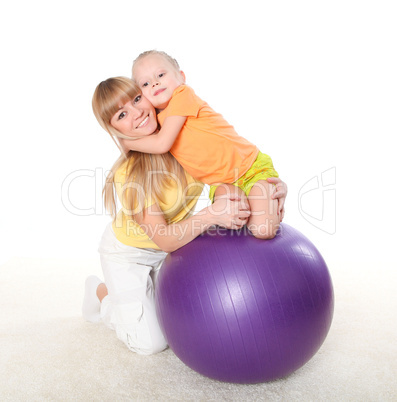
<point>48,353</point>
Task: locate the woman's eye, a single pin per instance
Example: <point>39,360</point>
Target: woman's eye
<point>121,115</point>
<point>137,99</point>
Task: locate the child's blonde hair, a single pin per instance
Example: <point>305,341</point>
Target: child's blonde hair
<point>139,184</point>
<point>173,62</point>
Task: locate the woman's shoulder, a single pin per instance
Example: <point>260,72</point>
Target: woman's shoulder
<point>122,171</point>
<point>194,185</point>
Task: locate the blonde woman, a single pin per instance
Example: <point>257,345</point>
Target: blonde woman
<point>157,200</point>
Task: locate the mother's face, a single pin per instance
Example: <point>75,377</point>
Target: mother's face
<point>137,118</point>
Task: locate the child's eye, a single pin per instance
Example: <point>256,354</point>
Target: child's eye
<point>137,98</point>
<point>161,75</point>
<point>145,84</point>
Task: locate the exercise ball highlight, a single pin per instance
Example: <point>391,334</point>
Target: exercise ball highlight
<point>238,309</point>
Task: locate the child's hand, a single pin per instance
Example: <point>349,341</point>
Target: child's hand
<point>280,194</point>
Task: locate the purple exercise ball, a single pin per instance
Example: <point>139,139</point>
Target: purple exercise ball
<point>243,310</point>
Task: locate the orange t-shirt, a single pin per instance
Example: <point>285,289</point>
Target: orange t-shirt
<point>207,147</point>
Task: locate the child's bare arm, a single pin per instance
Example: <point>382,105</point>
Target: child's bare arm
<point>124,144</point>
<point>161,142</point>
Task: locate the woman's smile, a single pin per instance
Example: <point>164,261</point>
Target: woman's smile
<point>144,122</point>
<point>136,118</point>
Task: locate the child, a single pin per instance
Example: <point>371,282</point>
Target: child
<point>204,143</point>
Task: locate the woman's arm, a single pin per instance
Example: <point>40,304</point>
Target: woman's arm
<point>223,212</point>
<point>161,142</point>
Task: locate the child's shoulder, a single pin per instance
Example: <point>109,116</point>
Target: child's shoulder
<point>186,93</point>
<point>183,88</point>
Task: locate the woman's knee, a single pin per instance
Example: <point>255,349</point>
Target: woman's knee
<point>148,344</point>
<point>158,346</point>
<point>150,348</point>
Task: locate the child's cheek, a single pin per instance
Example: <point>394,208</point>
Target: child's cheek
<point>146,93</point>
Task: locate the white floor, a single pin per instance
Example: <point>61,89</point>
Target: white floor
<point>47,352</point>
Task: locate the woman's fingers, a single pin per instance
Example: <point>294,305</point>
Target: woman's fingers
<point>281,187</point>
<point>280,192</point>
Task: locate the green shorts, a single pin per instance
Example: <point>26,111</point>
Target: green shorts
<point>261,169</point>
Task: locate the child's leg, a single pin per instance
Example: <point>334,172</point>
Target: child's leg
<point>264,220</point>
<point>231,191</point>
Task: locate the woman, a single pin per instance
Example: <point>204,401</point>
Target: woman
<point>157,198</point>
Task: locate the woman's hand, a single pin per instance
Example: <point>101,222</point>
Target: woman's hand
<point>280,194</point>
<point>169,237</point>
<point>230,212</point>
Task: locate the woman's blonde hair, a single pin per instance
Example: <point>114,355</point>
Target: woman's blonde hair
<point>147,175</point>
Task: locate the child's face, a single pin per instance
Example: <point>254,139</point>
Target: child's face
<point>157,78</point>
<point>137,118</point>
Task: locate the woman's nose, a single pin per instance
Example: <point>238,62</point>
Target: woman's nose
<point>136,112</point>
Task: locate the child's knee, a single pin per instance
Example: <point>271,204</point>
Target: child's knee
<point>234,193</point>
<point>263,236</point>
<point>264,231</point>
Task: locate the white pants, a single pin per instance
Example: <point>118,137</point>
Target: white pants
<point>130,274</point>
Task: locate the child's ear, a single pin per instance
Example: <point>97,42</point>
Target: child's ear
<point>183,76</point>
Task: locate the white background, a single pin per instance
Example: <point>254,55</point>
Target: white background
<point>312,83</point>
